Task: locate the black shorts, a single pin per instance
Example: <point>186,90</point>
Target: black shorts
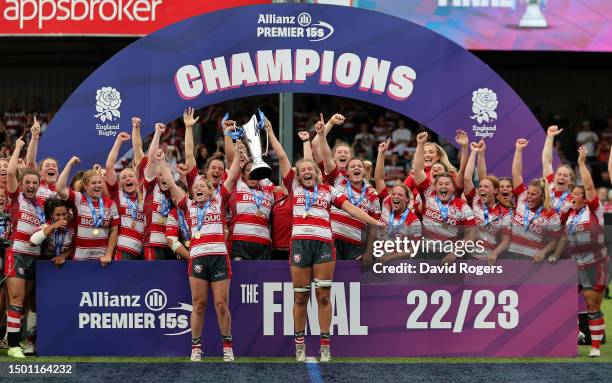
<point>158,253</point>
<point>20,265</point>
<point>306,252</point>
<point>251,251</point>
<point>280,255</point>
<point>212,268</point>
<point>346,251</point>
<point>122,255</point>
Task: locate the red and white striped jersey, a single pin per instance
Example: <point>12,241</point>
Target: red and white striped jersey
<point>411,229</point>
<point>172,225</point>
<point>131,231</point>
<point>528,242</point>
<point>316,226</point>
<point>155,221</point>
<point>88,245</point>
<point>210,239</point>
<point>345,227</point>
<point>585,234</point>
<point>247,224</point>
<point>560,201</point>
<point>25,221</point>
<point>434,226</point>
<point>44,192</point>
<point>48,246</point>
<point>489,229</point>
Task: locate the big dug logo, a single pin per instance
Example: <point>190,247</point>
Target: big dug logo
<point>40,12</point>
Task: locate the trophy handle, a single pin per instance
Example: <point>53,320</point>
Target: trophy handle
<point>267,142</point>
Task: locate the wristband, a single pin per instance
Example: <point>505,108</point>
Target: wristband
<point>175,244</point>
<point>38,237</point>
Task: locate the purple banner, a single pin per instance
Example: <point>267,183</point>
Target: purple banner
<point>297,48</point>
<point>142,309</point>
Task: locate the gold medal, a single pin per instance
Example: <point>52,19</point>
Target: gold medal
<point>187,243</point>
<point>133,225</point>
<point>160,220</point>
<point>197,236</point>
<point>95,232</point>
<point>305,215</point>
<point>259,213</point>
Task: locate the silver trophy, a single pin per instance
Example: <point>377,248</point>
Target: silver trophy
<point>533,17</point>
<point>250,134</point>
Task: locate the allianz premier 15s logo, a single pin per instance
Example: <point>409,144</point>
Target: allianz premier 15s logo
<point>270,25</point>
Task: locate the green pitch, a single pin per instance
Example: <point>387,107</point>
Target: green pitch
<point>583,351</point>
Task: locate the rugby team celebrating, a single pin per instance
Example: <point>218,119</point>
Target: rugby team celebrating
<point>327,208</point>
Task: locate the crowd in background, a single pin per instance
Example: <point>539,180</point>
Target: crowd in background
<point>367,125</point>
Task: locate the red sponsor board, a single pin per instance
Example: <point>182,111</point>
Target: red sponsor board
<point>102,17</point>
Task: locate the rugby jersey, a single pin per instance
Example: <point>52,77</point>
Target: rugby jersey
<point>247,224</point>
<point>131,231</point>
<point>434,226</point>
<point>88,245</point>
<point>316,226</point>
<point>26,220</point>
<point>66,237</point>
<point>210,239</point>
<point>44,192</point>
<point>344,226</point>
<point>560,201</point>
<point>154,216</point>
<point>173,228</point>
<point>528,242</point>
<point>411,228</point>
<point>584,229</point>
<point>489,229</point>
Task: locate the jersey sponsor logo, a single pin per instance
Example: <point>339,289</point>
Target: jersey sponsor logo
<point>90,222</point>
<point>139,214</point>
<point>29,218</point>
<point>320,202</point>
<point>249,198</point>
<point>438,217</point>
<point>208,218</point>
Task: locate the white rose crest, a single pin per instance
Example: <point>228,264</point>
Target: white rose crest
<point>484,103</point>
<point>108,101</point>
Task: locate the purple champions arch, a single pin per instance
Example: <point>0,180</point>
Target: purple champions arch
<point>300,48</point>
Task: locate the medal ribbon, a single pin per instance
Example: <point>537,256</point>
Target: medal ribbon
<point>308,201</point>
<point>59,237</point>
<point>183,225</point>
<point>349,191</point>
<point>132,205</point>
<point>257,197</point>
<point>201,212</point>
<point>165,206</point>
<point>97,217</point>
<point>559,204</point>
<point>444,208</point>
<point>574,223</point>
<point>391,229</point>
<point>526,221</point>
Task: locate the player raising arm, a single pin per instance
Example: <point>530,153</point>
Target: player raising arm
<point>97,217</point>
<point>535,227</point>
<point>209,265</point>
<point>312,252</point>
<point>124,192</point>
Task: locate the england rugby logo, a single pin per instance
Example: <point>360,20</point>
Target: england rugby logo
<point>108,101</point>
<point>484,104</point>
